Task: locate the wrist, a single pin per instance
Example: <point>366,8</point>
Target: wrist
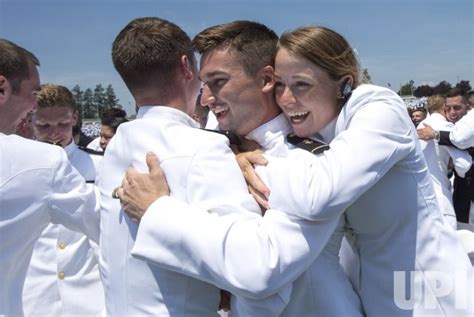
<point>436,135</point>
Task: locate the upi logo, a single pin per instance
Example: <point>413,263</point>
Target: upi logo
<point>428,288</point>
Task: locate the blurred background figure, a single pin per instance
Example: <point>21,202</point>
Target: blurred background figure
<point>25,128</point>
<point>80,138</point>
<point>417,115</point>
<point>110,121</point>
<point>201,113</point>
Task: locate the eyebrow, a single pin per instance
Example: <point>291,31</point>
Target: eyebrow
<point>214,73</point>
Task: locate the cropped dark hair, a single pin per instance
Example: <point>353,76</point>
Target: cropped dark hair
<point>147,52</point>
<point>252,43</point>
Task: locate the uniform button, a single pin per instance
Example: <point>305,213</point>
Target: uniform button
<point>62,245</point>
<point>61,275</point>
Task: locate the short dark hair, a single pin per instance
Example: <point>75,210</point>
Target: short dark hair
<point>454,92</point>
<point>113,122</point>
<point>147,52</point>
<point>252,43</point>
<point>14,63</point>
<point>114,112</point>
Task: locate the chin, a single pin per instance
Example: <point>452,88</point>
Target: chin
<point>302,133</point>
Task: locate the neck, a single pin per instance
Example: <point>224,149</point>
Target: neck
<point>172,100</point>
<point>270,107</point>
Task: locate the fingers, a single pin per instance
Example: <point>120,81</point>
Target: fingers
<point>259,198</point>
<point>255,182</point>
<point>255,157</point>
<point>152,162</point>
<point>427,125</point>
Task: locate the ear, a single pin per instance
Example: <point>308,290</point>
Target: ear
<point>268,76</point>
<point>345,86</point>
<point>75,118</point>
<point>186,68</point>
<point>5,90</point>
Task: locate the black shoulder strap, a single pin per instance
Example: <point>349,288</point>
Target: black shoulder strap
<point>444,138</point>
<point>310,145</point>
<point>91,151</point>
<point>233,138</point>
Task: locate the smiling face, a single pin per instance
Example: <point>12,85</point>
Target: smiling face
<point>417,116</point>
<point>305,93</point>
<point>455,108</point>
<point>54,124</point>
<point>19,103</point>
<point>231,94</point>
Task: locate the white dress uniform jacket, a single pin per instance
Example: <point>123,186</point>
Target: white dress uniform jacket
<point>437,158</point>
<point>38,185</point>
<point>375,169</point>
<point>202,171</point>
<point>398,230</point>
<point>322,290</point>
<point>63,277</point>
<point>462,134</point>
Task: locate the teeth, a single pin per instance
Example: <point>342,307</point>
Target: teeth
<point>297,114</point>
<point>220,109</point>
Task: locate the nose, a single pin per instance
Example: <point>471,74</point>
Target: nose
<point>34,105</point>
<point>207,98</point>
<point>286,97</point>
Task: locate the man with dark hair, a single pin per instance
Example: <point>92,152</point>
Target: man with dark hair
<point>237,72</point>
<point>38,185</point>
<point>155,59</point>
<point>417,115</point>
<point>63,259</point>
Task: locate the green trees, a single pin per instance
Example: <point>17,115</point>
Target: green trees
<point>427,90</point>
<point>92,103</point>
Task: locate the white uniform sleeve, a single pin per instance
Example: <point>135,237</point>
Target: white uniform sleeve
<point>377,137</point>
<point>205,241</point>
<point>73,203</point>
<point>248,255</point>
<point>462,134</point>
<point>462,161</point>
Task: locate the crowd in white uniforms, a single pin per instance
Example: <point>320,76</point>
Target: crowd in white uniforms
<point>168,246</point>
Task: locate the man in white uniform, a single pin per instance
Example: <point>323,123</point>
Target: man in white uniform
<point>237,72</point>
<point>438,157</point>
<point>38,185</point>
<point>63,277</point>
<point>156,61</point>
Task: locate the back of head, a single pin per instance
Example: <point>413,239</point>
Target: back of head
<point>14,62</point>
<point>435,104</point>
<point>252,43</point>
<point>147,51</point>
<point>52,95</point>
<point>325,48</point>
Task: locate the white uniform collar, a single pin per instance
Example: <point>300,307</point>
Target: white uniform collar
<point>159,111</point>
<point>71,147</point>
<point>271,133</point>
<point>327,133</point>
<point>362,96</point>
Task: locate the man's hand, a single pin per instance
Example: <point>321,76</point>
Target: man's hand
<point>426,133</point>
<point>139,191</point>
<point>257,188</point>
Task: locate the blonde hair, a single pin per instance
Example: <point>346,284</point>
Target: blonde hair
<point>52,95</point>
<point>325,48</point>
<point>435,103</point>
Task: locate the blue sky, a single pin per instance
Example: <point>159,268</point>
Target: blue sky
<point>423,40</point>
